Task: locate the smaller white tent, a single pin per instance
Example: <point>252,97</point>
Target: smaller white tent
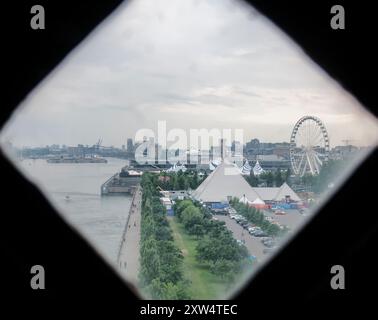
<point>213,164</point>
<point>176,168</point>
<point>244,200</point>
<point>284,192</point>
<point>258,201</point>
<point>257,169</point>
<point>246,169</point>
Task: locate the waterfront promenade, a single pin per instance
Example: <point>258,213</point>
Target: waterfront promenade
<point>128,256</point>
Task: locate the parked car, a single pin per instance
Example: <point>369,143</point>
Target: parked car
<point>266,239</point>
<point>304,211</point>
<point>268,218</point>
<point>232,211</point>
<point>268,242</point>
<point>254,229</point>
<point>259,233</point>
<point>279,212</point>
<point>242,220</point>
<point>268,250</point>
<point>246,225</point>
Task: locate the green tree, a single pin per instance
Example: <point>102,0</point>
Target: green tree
<point>150,260</point>
<point>253,180</point>
<point>278,179</point>
<point>198,230</point>
<point>181,206</point>
<point>180,182</point>
<point>160,273</point>
<point>175,184</point>
<point>194,181</point>
<point>287,176</point>
<point>191,216</point>
<point>269,179</point>
<point>225,269</point>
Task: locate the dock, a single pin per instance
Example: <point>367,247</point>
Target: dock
<point>128,255</point>
<point>121,183</point>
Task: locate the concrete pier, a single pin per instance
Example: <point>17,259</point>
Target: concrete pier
<point>128,255</point>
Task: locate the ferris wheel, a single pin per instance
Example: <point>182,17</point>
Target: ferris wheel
<point>309,146</point>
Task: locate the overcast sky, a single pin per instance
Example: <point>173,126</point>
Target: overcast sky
<point>195,64</point>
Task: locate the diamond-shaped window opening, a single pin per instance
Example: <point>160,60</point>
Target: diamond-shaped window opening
<point>193,64</point>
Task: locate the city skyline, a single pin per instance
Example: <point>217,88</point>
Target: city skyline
<point>347,140</point>
<point>344,143</point>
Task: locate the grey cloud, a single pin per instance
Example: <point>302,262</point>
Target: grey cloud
<point>158,58</point>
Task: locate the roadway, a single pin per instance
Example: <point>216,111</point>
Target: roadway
<point>291,219</point>
<point>253,244</point>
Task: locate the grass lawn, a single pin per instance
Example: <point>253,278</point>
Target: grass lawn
<point>204,285</point>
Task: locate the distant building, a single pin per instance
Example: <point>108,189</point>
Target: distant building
<point>272,162</point>
<point>269,157</point>
<point>282,150</point>
<point>167,203</point>
<point>343,152</point>
<point>178,194</point>
<point>130,146</point>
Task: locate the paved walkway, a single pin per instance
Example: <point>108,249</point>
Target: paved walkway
<point>128,257</point>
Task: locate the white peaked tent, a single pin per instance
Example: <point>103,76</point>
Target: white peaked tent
<point>213,164</point>
<point>224,182</point>
<point>277,194</point>
<point>257,169</point>
<point>284,191</point>
<point>176,168</point>
<point>246,169</point>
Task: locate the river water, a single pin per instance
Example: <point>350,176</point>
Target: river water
<point>75,190</point>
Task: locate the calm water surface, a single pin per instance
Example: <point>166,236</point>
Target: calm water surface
<point>100,219</point>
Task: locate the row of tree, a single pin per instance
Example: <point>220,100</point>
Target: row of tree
<point>217,249</point>
<point>161,274</point>
<point>256,217</point>
<point>180,180</point>
<point>269,178</point>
